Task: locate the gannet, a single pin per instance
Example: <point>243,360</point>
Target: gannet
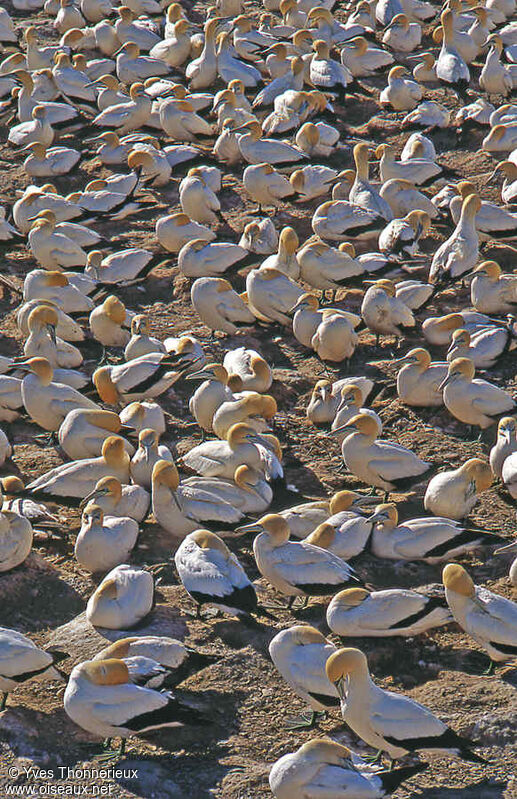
<point>43,342</point>
<point>438,330</point>
<point>401,93</point>
<point>402,236</point>
<point>260,237</point>
<point>119,500</point>
<point>418,169</point>
<point>78,478</point>
<point>181,661</point>
<point>384,464</point>
<point>402,197</point>
<point>197,200</point>
<point>505,444</point>
<point>383,312</point>
<point>419,379</point>
<point>248,491</point>
<point>104,542</point>
<point>83,432</point>
<point>253,370</point>
<point>42,162</point>
<point>48,402</point>
<point>388,721</point>
<point>431,539</point>
<point>459,254</point>
<point>312,181</point>
<point>11,402</point>
<point>215,389</point>
<point>15,539</point>
<point>495,77</point>
<point>491,291</point>
<point>339,220</point>
<point>21,660</point>
<point>180,508</point>
<point>177,229</point>
<point>509,187</point>
<point>202,71</point>
<point>55,287</point>
<point>199,258</point>
<point>133,68</point>
<point>67,328</point>
<point>211,574</point>
<point>255,149</point>
<point>363,59</point>
<point>221,458</point>
<point>145,377</point>
<point>325,267</point>
<point>325,397</point>
<point>253,409</point>
<point>100,698</point>
<point>451,68</point>
<point>345,534</point>
<point>138,415</point>
<point>300,654</point>
<point>292,80</point>
<point>295,568</point>
<point>502,138</point>
<point>324,765</point>
<point>490,619</point>
<point>483,347</point>
<point>350,404</point>
<point>303,519</point>
<point>174,50</point>
<point>35,199</point>
<point>141,343</point>
<point>454,493</point>
<point>148,453</point>
<point>271,294</point>
<point>108,323</point>
<point>52,248</point>
<point>266,186</point>
<point>380,614</point>
<point>123,598</point>
<point>473,401</point>
<point>219,306</point>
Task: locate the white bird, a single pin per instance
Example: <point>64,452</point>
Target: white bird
<point>145,377</point>
<point>148,453</point>
<point>490,619</point>
<point>77,478</point>
<point>104,542</point>
<point>180,508</point>
<point>471,400</point>
<point>491,291</point>
<point>271,294</point>
<point>431,539</point>
<point>300,654</point>
<point>388,721</point>
<point>15,539</point>
<point>100,698</point>
<point>381,614</point>
<point>383,312</point>
<point>454,493</point>
<point>83,432</point>
<point>21,660</point>
<point>419,379</point>
<point>219,306</point>
<point>119,500</point>
<point>253,370</point>
<point>459,254</point>
<point>123,598</point>
<point>324,765</point>
<point>266,186</point>
<point>505,444</point>
<point>376,462</point>
<point>175,230</point>
<point>295,568</point>
<point>45,162</point>
<point>211,574</point>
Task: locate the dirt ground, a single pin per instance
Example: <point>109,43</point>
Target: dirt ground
<point>246,699</point>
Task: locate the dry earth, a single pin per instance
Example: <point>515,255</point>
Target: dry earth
<point>246,698</point>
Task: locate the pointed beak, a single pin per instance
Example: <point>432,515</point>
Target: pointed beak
<point>201,375</point>
<point>92,495</point>
<point>445,382</point>
<point>249,528</point>
<point>341,688</point>
<point>52,333</point>
<point>377,517</point>
<point>343,429</point>
<point>508,548</point>
<point>360,501</point>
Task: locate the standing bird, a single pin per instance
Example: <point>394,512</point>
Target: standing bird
<point>101,699</point>
<point>384,464</point>
<point>489,619</point>
<point>459,254</point>
<point>265,186</point>
<point>295,568</point>
<point>299,654</point>
<point>384,313</point>
<point>387,721</point>
<point>471,400</point>
<point>211,574</point>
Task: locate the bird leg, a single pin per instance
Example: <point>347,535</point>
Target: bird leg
<point>3,700</point>
<point>111,754</point>
<point>305,720</point>
<point>371,759</point>
<point>49,439</point>
<point>490,670</point>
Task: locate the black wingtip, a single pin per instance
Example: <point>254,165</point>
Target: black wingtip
<point>392,779</point>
